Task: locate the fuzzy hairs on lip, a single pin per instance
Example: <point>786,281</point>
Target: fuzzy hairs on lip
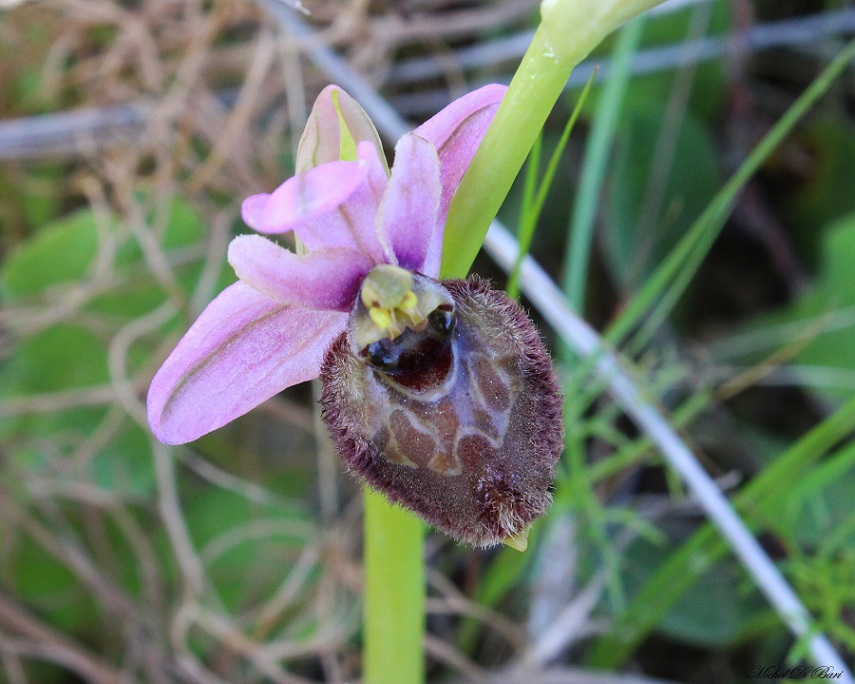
<point>469,435</point>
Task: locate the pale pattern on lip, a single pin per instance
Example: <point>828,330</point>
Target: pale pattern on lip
<point>467,437</point>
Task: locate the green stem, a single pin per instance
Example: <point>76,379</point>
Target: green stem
<point>570,29</point>
<point>519,120</point>
<point>394,594</point>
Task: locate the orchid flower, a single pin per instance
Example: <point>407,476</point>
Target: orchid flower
<point>270,330</point>
<point>440,394</point>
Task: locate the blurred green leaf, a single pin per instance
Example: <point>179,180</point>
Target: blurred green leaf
<point>720,610</point>
<point>63,251</point>
<point>691,181</point>
<point>53,590</point>
<point>64,356</point>
<point>817,321</point>
<point>245,567</point>
<point>59,253</point>
<point>124,465</point>
<point>69,355</point>
<point>837,281</point>
<point>823,161</point>
<point>820,503</point>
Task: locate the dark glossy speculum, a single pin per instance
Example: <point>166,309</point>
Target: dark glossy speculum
<point>416,358</point>
<point>442,396</point>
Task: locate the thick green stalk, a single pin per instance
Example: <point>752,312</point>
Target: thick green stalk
<point>530,97</point>
<point>394,594</point>
<point>569,30</point>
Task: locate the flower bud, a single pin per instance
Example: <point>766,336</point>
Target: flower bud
<point>333,131</point>
<point>458,417</point>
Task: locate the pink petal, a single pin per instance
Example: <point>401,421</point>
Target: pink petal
<point>352,224</point>
<point>456,132</point>
<point>326,279</point>
<point>299,199</point>
<point>242,350</point>
<point>321,140</point>
<point>411,204</point>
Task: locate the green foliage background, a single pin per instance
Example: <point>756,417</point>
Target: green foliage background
<point>237,558</point>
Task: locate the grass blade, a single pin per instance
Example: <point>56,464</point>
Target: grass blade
<point>662,291</point>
